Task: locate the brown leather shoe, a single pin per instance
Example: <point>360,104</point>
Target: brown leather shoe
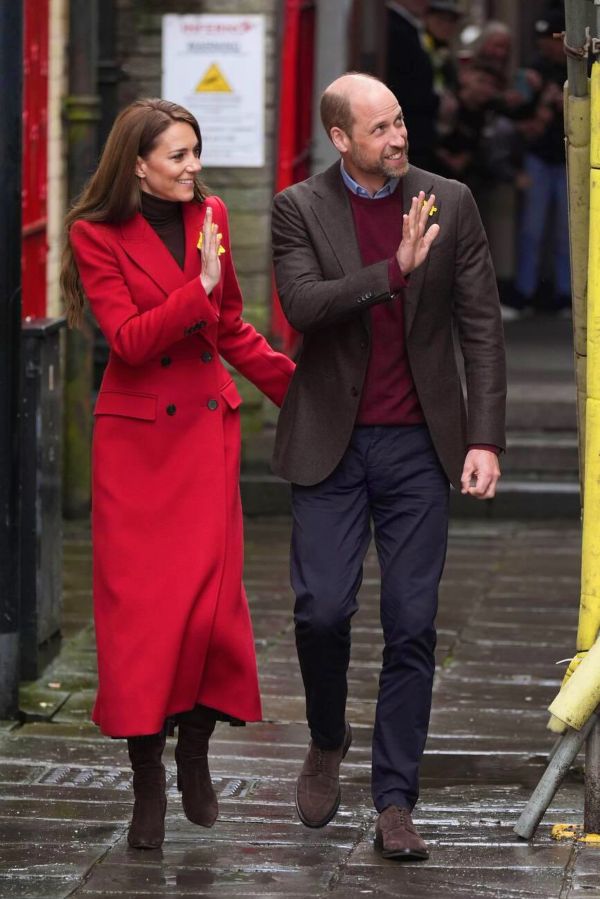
<point>318,788</point>
<point>397,837</point>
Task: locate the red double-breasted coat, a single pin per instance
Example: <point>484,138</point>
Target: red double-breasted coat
<point>171,616</point>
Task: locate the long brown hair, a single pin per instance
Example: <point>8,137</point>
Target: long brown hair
<point>112,194</point>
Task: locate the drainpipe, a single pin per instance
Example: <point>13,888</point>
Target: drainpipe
<point>82,110</point>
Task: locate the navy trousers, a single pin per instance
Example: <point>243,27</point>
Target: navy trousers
<point>392,477</point>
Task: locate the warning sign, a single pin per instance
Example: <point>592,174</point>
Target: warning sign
<point>214,65</point>
<point>213,80</point>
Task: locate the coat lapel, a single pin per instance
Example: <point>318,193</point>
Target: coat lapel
<point>144,247</point>
<point>332,209</point>
<point>147,250</point>
<point>414,181</point>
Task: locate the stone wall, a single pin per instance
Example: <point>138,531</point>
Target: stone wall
<point>247,192</point>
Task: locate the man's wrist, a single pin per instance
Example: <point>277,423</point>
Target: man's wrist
<point>397,280</point>
<point>489,447</point>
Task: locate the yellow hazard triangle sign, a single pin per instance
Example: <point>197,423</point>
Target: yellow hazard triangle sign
<point>213,80</point>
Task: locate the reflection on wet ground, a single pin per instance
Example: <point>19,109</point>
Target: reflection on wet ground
<point>508,612</point>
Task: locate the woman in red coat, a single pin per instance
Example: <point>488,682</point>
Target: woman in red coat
<point>174,637</point>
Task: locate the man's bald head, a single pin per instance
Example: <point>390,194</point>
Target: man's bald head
<point>337,102</point>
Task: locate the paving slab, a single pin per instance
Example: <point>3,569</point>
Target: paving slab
<point>508,612</point>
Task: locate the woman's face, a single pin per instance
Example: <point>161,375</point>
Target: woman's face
<point>168,171</point>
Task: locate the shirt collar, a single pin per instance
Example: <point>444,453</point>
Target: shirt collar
<point>388,188</point>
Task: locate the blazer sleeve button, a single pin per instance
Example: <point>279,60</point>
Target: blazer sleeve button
<point>166,360</point>
<point>206,357</point>
<point>171,409</point>
<point>212,405</point>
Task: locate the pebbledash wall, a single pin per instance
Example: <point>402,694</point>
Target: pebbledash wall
<point>247,192</point>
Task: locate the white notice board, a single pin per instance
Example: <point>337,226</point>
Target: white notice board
<point>214,65</point>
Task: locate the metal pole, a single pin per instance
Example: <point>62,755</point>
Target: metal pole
<point>591,817</point>
<point>552,778</point>
<point>83,115</point>
<point>576,20</point>
<point>11,73</point>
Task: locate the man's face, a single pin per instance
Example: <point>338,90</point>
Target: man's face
<point>378,144</point>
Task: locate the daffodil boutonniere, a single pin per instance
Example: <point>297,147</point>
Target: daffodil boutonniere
<point>201,239</point>
<point>433,209</point>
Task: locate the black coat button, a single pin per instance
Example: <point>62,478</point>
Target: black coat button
<point>212,405</point>
<point>171,409</point>
<point>206,357</point>
<point>364,344</point>
<point>166,360</point>
<point>354,391</point>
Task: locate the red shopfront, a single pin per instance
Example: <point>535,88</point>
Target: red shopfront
<point>295,121</point>
<point>35,158</point>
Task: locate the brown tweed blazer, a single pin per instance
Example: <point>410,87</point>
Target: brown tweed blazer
<point>326,293</point>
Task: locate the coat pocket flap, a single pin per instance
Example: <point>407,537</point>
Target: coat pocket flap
<point>130,405</point>
<point>231,396</point>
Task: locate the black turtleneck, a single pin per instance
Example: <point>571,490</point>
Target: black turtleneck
<point>165,217</point>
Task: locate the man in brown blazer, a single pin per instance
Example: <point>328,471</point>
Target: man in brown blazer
<point>378,264</point>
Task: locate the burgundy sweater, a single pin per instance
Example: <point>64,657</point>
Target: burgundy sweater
<point>389,396</point>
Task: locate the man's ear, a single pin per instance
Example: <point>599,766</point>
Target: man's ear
<point>139,167</point>
<point>339,139</point>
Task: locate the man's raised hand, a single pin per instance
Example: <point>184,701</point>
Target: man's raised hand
<point>416,241</point>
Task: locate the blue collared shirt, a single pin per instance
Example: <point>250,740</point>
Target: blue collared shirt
<point>388,188</point>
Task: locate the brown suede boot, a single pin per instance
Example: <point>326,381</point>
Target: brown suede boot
<point>198,797</point>
<point>318,788</point>
<point>147,829</point>
<point>397,837</point>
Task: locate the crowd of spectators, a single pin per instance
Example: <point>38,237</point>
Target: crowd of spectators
<point>475,113</point>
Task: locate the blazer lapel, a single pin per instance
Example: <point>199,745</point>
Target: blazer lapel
<point>413,182</point>
<point>334,214</point>
<point>144,247</point>
<point>332,209</point>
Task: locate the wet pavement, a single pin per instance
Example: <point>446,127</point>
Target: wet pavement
<point>508,612</point>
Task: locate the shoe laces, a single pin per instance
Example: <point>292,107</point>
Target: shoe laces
<point>400,817</point>
<point>320,759</point>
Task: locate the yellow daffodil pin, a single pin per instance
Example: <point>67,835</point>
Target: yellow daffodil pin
<point>201,238</point>
<point>433,209</point>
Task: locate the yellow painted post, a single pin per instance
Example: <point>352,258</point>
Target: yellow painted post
<point>589,611</point>
<point>580,696</point>
<point>589,607</point>
<point>577,134</point>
